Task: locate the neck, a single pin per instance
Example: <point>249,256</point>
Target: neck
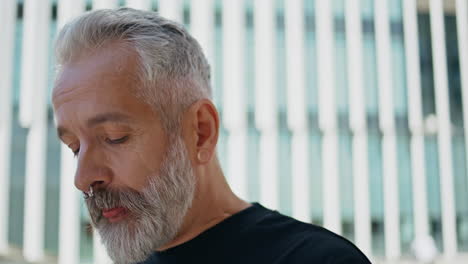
<point>213,202</point>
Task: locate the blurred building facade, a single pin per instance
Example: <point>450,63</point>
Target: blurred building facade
<point>347,114</point>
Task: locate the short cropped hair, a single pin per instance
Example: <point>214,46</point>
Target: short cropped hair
<point>173,71</point>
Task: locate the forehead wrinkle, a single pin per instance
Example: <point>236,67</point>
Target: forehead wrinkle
<point>115,59</point>
<point>112,117</point>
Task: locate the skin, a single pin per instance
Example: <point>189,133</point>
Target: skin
<point>119,140</point>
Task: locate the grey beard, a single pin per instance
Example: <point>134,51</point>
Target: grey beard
<point>155,214</point>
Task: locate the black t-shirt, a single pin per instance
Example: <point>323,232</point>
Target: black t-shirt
<point>257,235</point>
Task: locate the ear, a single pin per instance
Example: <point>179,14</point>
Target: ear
<point>201,130</point>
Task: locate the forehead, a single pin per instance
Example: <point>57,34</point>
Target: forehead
<point>99,71</point>
<point>101,81</point>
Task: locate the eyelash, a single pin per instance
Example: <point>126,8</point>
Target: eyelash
<point>108,141</point>
<point>116,141</point>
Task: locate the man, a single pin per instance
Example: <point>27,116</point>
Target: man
<point>133,102</point>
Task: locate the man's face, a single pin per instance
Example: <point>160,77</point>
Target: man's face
<point>141,177</point>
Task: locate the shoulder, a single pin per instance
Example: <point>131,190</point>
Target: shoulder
<point>323,246</point>
<point>299,242</point>
<point>319,245</point>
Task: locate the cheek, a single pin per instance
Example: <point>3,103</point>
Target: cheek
<point>135,163</point>
<point>130,172</point>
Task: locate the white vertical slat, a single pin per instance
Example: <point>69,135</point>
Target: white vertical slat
<point>415,118</point>
<point>7,27</point>
<point>139,4</point>
<point>265,103</point>
<point>268,168</point>
<point>391,210</point>
<point>300,177</point>
<point>67,10</point>
<point>444,127</point>
<point>462,27</point>
<point>100,255</point>
<point>234,109</point>
<point>102,4</point>
<point>328,115</point>
<point>387,126</point>
<point>296,108</point>
<point>202,26</point>
<point>34,81</point>
<point>295,64</point>
<point>358,124</point>
<point>69,218</point>
<point>26,100</point>
<point>69,224</point>
<point>172,9</point>
<point>362,218</point>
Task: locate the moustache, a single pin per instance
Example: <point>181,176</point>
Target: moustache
<point>133,201</point>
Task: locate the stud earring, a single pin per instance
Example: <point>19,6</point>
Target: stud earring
<point>203,155</point>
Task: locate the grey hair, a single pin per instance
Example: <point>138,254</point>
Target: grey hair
<point>173,71</point>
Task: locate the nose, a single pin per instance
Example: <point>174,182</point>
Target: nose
<point>91,170</point>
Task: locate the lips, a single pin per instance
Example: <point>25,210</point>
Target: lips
<point>114,214</point>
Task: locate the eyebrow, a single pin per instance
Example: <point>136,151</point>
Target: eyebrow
<point>109,117</point>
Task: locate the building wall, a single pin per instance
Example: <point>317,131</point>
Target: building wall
<point>343,161</point>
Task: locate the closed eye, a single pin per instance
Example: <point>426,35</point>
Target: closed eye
<point>117,140</point>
